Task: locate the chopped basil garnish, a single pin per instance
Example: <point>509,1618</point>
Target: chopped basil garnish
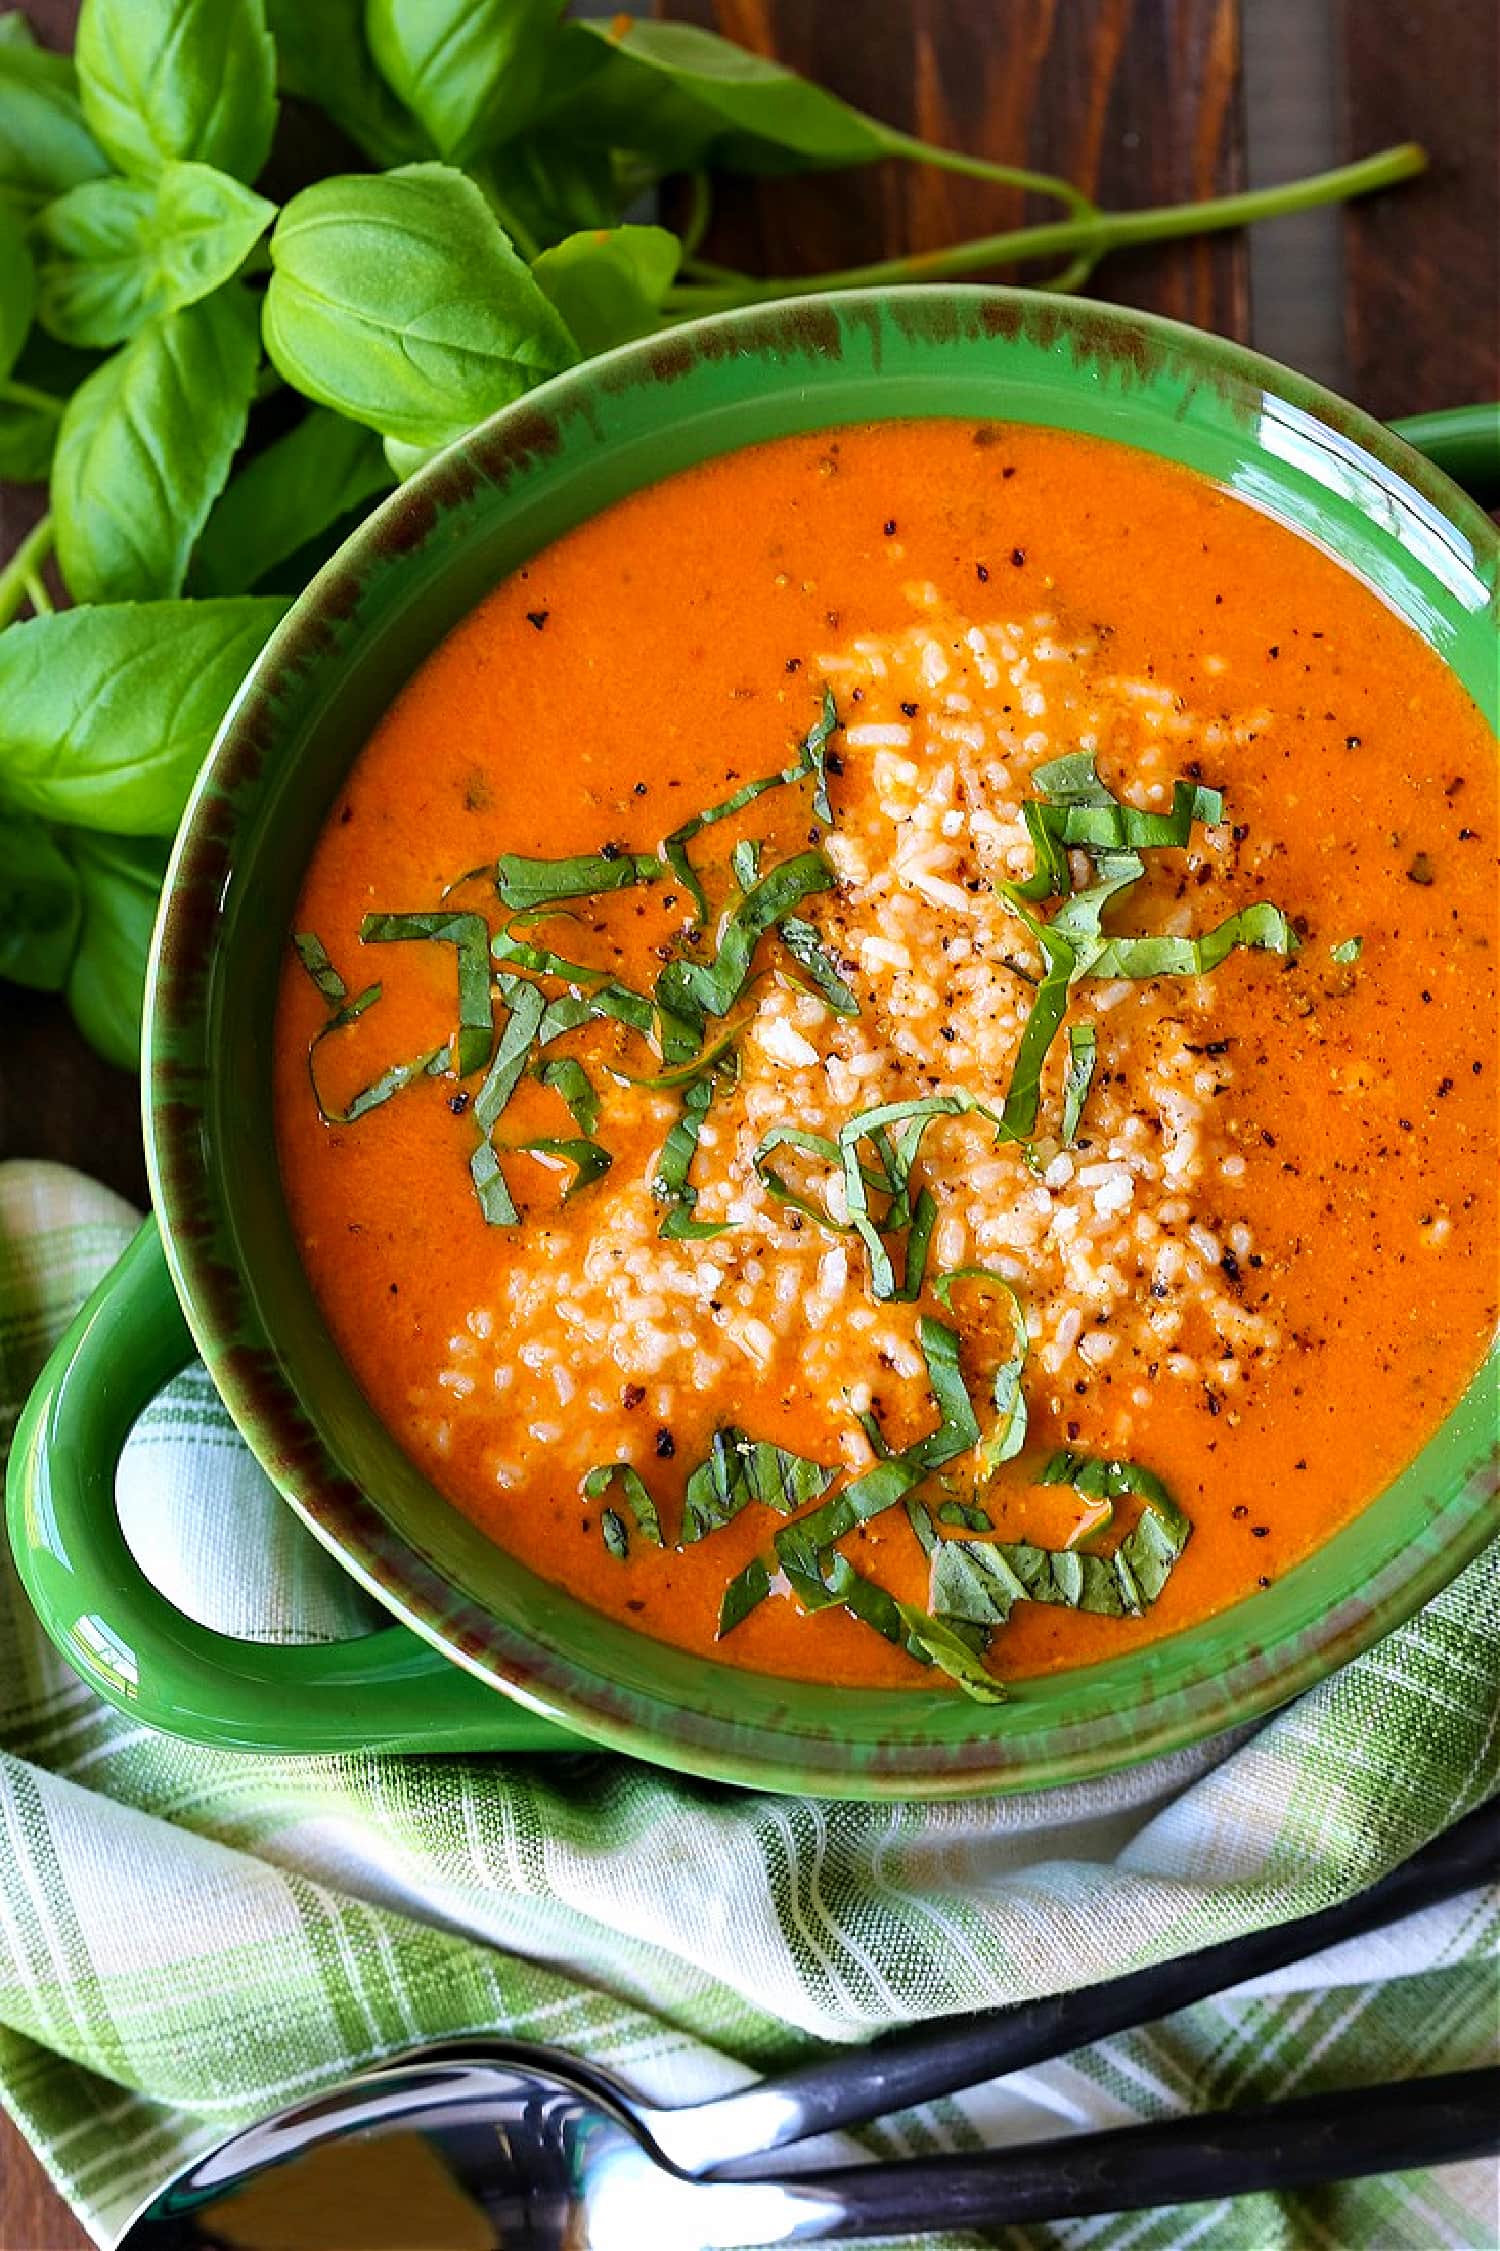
<point>1083,1054</point>
<point>670,1184</point>
<point>810,759</point>
<point>598,1483</point>
<point>1348,949</point>
<point>313,955</point>
<point>804,945</point>
<point>469,934</point>
<point>1004,1441</point>
<point>939,1640</point>
<point>908,1215</point>
<point>1078,811</point>
<point>525,1005</point>
<point>589,1161</point>
<point>739,1470</point>
<point>536,883</point>
<point>567,1076</point>
<point>981,1580</point>
<point>744,1591</point>
<point>616,1538</point>
<point>813,1145</point>
<point>1261,927</point>
<point>710,988</point>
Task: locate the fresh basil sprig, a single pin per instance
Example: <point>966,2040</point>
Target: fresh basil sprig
<point>115,253</point>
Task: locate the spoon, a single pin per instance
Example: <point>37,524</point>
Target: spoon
<point>557,2146</point>
<point>476,2155</point>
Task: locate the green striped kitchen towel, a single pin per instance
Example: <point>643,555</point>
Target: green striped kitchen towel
<point>189,1938</point>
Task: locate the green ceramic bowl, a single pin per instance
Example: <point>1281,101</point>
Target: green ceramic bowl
<point>486,1654</point>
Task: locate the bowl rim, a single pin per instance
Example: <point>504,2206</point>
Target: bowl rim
<point>181,1163</point>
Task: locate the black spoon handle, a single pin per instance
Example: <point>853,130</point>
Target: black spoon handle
<point>1392,2128</point>
<point>852,2086</point>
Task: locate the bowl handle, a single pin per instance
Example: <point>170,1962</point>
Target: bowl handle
<point>1462,441</point>
<point>384,1691</point>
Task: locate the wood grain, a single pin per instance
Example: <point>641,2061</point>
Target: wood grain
<point>1140,102</point>
<point>1422,294</point>
<point>1135,100</point>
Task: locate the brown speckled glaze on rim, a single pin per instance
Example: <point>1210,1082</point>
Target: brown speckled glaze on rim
<point>410,573</point>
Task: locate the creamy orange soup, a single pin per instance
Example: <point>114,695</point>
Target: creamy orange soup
<point>883,1228</point>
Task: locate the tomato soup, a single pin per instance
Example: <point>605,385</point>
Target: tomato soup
<point>885,1066</point>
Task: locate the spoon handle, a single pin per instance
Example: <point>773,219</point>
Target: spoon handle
<point>852,2086</point>
<point>1395,2127</point>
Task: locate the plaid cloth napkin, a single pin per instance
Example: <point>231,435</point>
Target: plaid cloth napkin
<point>189,1938</point>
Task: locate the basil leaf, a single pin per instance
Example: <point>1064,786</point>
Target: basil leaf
<point>40,906</point>
<point>744,1591</point>
<point>399,301</point>
<point>17,291</point>
<point>670,1184</point>
<point>107,714</point>
<point>1083,1054</point>
<point>609,286</point>
<point>1348,949</point>
<point>1008,1436</point>
<point>810,759</point>
<point>324,58</point>
<point>28,436</point>
<point>115,253</point>
<point>1262,927</point>
<point>145,447</point>
<point>936,1639</point>
<point>633,1485</point>
<point>470,70</point>
<point>1043,1023</point>
<point>740,1470</point>
<point>284,498</point>
<point>589,1161</point>
<point>45,146</point>
<point>568,1076</point>
<point>1080,811</point>
<point>804,945</point>
<point>186,81</point>
<point>469,934</point>
<point>691,101</point>
<point>552,186</point>
<point>120,882</point>
<point>316,960</point>
<point>525,1005</point>
<point>533,883</point>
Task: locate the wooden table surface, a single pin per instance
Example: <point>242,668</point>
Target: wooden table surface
<point>1396,304</point>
